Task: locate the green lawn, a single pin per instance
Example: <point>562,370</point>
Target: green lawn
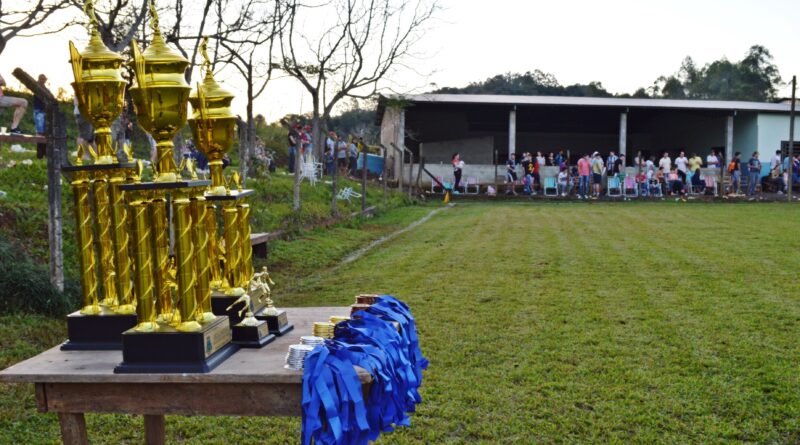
<point>554,323</point>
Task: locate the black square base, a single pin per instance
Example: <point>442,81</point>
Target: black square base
<point>96,332</point>
<point>220,302</point>
<point>170,351</point>
<point>278,324</point>
<point>252,336</point>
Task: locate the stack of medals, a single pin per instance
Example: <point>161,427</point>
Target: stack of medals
<point>296,356</point>
<point>311,340</point>
<point>336,319</point>
<point>323,329</point>
<point>363,301</point>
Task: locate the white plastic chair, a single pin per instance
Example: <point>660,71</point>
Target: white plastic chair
<point>346,194</point>
<point>472,183</point>
<point>309,171</point>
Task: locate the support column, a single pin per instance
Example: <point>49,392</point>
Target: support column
<point>623,133</point>
<point>512,132</point>
<point>729,139</point>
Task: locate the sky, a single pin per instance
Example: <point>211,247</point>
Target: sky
<point>624,44</point>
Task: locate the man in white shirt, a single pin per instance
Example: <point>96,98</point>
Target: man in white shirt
<point>665,163</point>
<point>712,161</point>
<point>775,162</point>
<point>681,161</point>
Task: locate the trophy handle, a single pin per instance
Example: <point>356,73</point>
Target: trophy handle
<point>77,62</point>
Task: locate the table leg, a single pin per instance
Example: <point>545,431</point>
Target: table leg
<point>154,429</point>
<point>73,429</point>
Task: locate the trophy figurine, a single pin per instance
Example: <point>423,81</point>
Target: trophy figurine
<point>250,332</point>
<point>277,319</point>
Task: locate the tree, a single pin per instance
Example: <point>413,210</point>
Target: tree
<point>358,44</point>
<point>23,19</point>
<point>241,42</point>
<point>119,21</point>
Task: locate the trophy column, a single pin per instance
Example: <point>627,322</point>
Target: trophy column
<point>184,257</point>
<point>121,243</point>
<point>83,215</point>
<point>161,263</point>
<point>107,270</point>
<point>233,250</point>
<point>243,217</point>
<point>143,262</point>
<point>202,263</point>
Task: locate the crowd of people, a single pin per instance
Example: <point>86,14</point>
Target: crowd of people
<point>341,152</point>
<point>593,173</point>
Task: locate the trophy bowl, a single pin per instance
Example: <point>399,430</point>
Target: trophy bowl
<point>161,110</point>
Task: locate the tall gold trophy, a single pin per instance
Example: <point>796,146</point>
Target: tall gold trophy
<point>231,267</point>
<point>176,330</point>
<point>107,293</point>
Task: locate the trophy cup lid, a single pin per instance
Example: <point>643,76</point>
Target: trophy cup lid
<point>96,60</point>
<point>215,97</point>
<point>159,52</point>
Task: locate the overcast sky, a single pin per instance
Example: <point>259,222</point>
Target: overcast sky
<point>625,44</point>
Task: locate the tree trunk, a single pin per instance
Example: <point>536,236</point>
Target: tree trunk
<point>298,166</point>
<point>363,176</point>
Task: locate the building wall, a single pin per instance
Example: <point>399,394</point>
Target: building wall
<point>745,134</point>
<point>478,150</point>
<point>674,130</point>
<point>772,129</point>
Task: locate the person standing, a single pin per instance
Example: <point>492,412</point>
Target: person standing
<point>353,155</point>
<point>458,167</point>
<point>39,108</point>
<point>526,171</point>
<point>735,170</point>
<point>540,159</point>
<point>597,173</point>
<point>511,174</point>
<point>610,163</point>
<point>341,156</point>
<point>619,169</point>
<point>665,163</point>
<point>712,161</point>
<point>293,138</point>
<point>681,163</point>
<point>754,170</point>
<point>584,170</point>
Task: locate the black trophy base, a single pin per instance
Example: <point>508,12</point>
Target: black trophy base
<point>278,324</point>
<point>221,302</point>
<point>171,351</point>
<point>101,332</point>
<point>252,336</point>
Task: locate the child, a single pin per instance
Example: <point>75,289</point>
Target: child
<point>641,181</point>
<point>562,181</point>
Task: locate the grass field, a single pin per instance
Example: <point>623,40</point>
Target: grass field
<point>556,323</point>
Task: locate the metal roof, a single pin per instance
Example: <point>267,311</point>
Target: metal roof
<point>490,99</point>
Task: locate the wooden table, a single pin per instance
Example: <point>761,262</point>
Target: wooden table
<point>252,382</point>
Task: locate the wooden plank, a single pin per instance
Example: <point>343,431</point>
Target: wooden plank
<point>190,399</point>
<point>154,429</point>
<point>41,397</point>
<point>22,139</point>
<point>73,429</point>
<point>263,365</point>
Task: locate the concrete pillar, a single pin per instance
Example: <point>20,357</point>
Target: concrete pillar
<point>623,133</point>
<point>512,132</point>
<point>729,139</point>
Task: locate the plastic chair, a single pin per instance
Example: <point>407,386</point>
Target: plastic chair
<point>613,188</point>
<point>655,188</point>
<point>347,193</point>
<point>472,183</point>
<point>711,183</point>
<point>550,185</point>
<point>309,171</point>
<point>630,189</point>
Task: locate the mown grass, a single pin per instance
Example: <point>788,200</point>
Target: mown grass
<point>563,323</point>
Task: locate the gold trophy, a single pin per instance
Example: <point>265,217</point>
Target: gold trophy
<point>250,332</point>
<point>99,89</point>
<point>231,255</point>
<point>277,319</point>
<point>176,330</point>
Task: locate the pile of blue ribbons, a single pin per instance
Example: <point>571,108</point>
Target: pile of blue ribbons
<point>334,410</point>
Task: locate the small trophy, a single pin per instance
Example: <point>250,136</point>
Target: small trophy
<point>250,332</point>
<point>277,319</point>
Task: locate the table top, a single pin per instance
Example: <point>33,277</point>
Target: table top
<point>264,365</point>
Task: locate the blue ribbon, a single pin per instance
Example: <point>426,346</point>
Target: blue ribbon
<point>334,410</point>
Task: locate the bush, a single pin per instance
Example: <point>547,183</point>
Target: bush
<point>26,286</point>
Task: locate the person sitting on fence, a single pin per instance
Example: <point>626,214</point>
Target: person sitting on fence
<point>17,103</point>
<point>563,181</point>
